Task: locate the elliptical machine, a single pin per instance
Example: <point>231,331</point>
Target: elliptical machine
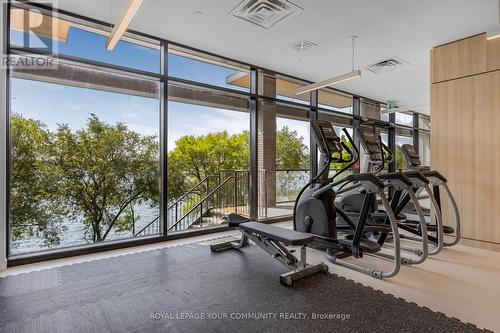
<point>315,211</point>
<point>437,181</point>
<point>402,184</point>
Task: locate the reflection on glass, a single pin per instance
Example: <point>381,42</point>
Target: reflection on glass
<point>77,40</point>
<point>331,100</point>
<point>196,67</point>
<point>285,90</point>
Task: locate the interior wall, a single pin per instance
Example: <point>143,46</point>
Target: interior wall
<point>465,145</point>
<point>3,155</point>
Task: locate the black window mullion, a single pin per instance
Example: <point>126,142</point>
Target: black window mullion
<point>254,157</point>
<point>164,140</point>
<point>313,154</point>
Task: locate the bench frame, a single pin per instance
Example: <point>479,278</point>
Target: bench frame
<point>278,251</point>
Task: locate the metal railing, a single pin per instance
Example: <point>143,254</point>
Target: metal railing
<point>192,197</point>
<point>152,228</point>
<point>210,200</point>
<point>289,183</point>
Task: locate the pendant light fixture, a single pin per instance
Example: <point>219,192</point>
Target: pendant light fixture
<point>354,74</point>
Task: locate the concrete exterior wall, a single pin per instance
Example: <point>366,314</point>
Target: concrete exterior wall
<point>3,144</point>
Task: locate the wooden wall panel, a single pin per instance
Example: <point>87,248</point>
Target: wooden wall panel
<point>459,59</point>
<point>466,149</point>
<point>493,54</point>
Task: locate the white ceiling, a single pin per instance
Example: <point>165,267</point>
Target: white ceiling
<point>404,28</point>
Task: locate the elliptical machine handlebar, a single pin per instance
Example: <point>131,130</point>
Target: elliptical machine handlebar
<point>390,154</point>
<point>382,156</point>
<point>354,156</point>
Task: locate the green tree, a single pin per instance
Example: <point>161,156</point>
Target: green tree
<point>36,208</point>
<point>345,155</point>
<point>196,157</point>
<point>291,152</point>
<point>400,159</point>
<point>104,171</point>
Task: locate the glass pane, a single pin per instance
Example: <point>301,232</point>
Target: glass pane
<point>335,168</point>
<point>292,164</point>
<point>208,157</point>
<point>62,36</point>
<point>404,119</point>
<point>198,67</point>
<point>370,109</point>
<point>332,100</point>
<point>425,148</point>
<point>84,158</point>
<point>285,90</point>
<point>384,116</point>
<point>424,122</point>
<point>365,166</point>
<point>400,160</point>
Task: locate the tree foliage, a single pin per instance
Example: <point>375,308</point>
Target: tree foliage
<point>98,175</point>
<point>104,171</point>
<point>291,152</point>
<point>36,208</point>
<point>94,175</point>
<point>196,157</point>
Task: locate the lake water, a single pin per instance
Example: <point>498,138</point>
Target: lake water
<point>74,235</point>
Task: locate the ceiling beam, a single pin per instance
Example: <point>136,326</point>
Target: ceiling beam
<point>128,14</point>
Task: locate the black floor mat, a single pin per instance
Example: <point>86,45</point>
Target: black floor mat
<point>177,289</point>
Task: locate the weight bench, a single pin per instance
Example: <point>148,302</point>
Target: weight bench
<point>274,240</point>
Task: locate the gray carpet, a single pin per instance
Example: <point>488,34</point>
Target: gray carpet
<point>120,295</point>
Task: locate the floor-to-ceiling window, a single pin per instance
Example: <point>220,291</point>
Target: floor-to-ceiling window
<point>151,138</point>
<point>84,140</point>
<point>292,162</point>
<point>208,141</point>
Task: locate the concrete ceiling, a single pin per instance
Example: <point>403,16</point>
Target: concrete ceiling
<point>386,28</point>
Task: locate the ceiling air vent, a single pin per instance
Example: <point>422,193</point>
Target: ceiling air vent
<point>387,65</point>
<point>265,13</point>
<point>303,45</point>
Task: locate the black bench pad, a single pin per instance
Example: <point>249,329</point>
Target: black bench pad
<point>234,220</point>
<point>285,236</point>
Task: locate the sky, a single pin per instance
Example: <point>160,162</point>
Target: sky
<point>55,104</point>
